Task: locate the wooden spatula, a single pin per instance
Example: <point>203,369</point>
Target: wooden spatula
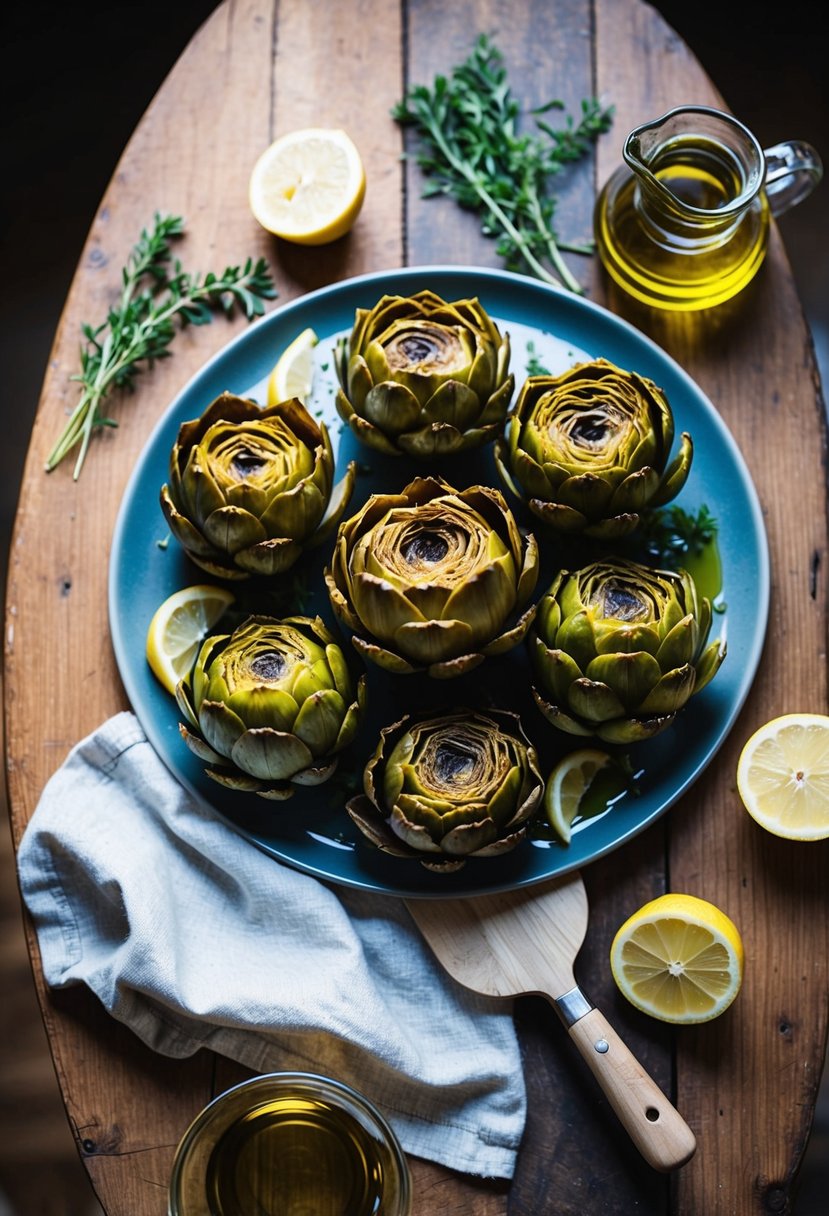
<point>526,941</point>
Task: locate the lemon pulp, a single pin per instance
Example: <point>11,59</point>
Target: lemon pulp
<point>308,186</point>
<point>783,776</point>
<point>679,959</point>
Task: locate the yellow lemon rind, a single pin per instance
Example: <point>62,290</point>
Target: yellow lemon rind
<point>696,917</point>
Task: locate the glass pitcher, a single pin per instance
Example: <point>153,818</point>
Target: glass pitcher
<point>683,224</point>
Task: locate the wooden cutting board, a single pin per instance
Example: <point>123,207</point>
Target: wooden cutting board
<point>520,942</point>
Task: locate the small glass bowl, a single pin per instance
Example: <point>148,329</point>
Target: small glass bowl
<point>290,1144</point>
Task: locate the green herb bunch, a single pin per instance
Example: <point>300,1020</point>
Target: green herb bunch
<point>158,298</point>
<point>473,151</point>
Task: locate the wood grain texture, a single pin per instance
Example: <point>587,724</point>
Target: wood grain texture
<point>746,1083</point>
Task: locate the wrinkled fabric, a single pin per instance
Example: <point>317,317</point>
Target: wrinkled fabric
<point>193,937</point>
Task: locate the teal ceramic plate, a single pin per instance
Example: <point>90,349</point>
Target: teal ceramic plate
<point>312,831</point>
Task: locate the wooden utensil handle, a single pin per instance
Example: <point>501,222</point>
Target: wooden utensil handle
<point>657,1129</point>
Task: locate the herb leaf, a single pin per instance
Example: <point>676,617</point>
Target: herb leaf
<point>472,151</point>
<point>671,533</point>
<point>155,294</point>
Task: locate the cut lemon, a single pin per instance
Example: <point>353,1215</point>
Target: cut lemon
<point>679,959</point>
<point>178,627</point>
<point>308,186</point>
<point>783,776</point>
<point>567,785</point>
<point>293,373</point>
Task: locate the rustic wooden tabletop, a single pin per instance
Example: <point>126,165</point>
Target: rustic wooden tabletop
<point>746,1083</point>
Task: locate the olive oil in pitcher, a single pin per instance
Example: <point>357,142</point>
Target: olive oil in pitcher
<point>683,224</point>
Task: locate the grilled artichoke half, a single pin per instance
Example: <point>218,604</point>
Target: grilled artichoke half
<point>251,488</point>
<point>423,376</point>
<point>588,450</point>
<point>617,649</point>
<point>271,705</point>
<point>433,578</point>
<point>442,789</point>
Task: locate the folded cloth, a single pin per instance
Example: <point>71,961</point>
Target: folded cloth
<point>193,937</point>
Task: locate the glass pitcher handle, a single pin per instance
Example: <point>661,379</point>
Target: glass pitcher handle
<point>793,169</point>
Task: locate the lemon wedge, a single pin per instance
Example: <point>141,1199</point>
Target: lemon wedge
<point>679,959</point>
<point>293,372</point>
<point>178,627</point>
<point>567,784</point>
<point>783,776</point>
<point>308,186</point>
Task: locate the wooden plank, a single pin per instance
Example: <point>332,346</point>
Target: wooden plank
<point>747,1082</point>
<point>547,53</point>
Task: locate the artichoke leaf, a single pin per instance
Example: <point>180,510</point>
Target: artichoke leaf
<point>271,755</point>
<point>633,730</point>
<point>269,557</point>
<point>230,529</point>
<point>392,407</point>
<point>670,693</point>
<point>319,720</point>
<point>676,474</point>
<point>451,668</point>
<point>710,663</point>
<point>593,701</point>
<point>559,718</point>
<point>630,676</point>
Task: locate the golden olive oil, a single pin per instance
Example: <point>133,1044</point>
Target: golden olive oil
<point>676,238</point>
<point>296,1156</point>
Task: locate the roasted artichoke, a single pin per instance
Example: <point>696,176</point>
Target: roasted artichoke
<point>271,705</point>
<point>617,648</point>
<point>433,578</point>
<point>588,450</point>
<point>445,788</point>
<point>251,488</point>
<point>423,376</point>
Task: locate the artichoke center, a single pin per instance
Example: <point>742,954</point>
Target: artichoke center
<point>425,549</point>
<point>621,603</point>
<point>269,666</point>
<point>246,464</point>
<point>425,350</point>
<point>453,765</point>
<point>592,430</point>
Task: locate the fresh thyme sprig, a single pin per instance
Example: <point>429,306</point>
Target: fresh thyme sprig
<point>156,293</point>
<point>671,533</point>
<point>473,152</point>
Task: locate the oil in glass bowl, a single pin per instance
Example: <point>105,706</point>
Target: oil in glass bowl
<point>290,1144</point>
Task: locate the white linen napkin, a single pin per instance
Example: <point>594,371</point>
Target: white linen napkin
<point>193,937</point>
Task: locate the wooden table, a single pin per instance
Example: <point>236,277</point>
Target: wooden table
<point>747,1082</point>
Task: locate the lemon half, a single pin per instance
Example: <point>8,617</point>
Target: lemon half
<point>783,776</point>
<point>679,959</point>
<point>293,372</point>
<point>308,186</point>
<point>178,628</point>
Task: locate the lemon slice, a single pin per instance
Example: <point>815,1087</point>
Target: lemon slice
<point>178,627</point>
<point>679,959</point>
<point>308,186</point>
<point>783,776</point>
<point>293,373</point>
<point>567,784</point>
